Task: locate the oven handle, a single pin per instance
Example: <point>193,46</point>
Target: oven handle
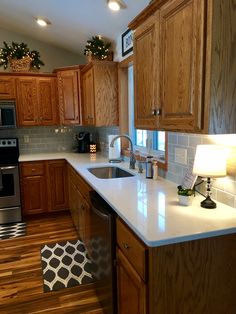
<point>7,168</point>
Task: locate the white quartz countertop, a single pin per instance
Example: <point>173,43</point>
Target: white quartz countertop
<point>149,207</point>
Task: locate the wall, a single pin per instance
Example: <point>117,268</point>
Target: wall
<point>34,140</point>
<point>223,189</point>
<point>52,56</point>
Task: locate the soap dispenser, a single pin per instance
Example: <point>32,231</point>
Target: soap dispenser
<point>149,169</point>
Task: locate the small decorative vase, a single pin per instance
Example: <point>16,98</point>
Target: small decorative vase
<point>185,200</point>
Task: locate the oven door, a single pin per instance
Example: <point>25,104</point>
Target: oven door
<point>9,186</point>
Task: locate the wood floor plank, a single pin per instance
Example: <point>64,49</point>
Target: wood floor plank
<point>21,282</point>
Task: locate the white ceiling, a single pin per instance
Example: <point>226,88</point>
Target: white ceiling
<point>73,21</point>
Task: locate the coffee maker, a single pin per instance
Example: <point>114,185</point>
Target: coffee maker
<point>83,139</point>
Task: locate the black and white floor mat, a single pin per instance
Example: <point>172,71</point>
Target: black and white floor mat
<point>65,264</point>
<point>13,230</point>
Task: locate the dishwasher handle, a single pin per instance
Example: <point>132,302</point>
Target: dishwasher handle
<point>99,206</point>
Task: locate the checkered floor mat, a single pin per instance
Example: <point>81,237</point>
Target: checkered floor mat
<point>13,230</point>
<point>65,265</point>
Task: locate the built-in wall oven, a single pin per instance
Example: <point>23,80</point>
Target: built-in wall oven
<point>10,203</point>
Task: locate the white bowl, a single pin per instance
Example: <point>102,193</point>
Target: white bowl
<point>185,200</point>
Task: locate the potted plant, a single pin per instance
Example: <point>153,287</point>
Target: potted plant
<point>19,57</point>
<point>185,195</point>
<point>96,48</point>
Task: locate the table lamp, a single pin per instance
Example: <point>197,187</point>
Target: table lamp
<point>209,162</point>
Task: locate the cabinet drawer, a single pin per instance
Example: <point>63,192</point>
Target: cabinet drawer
<point>132,248</point>
<point>32,169</point>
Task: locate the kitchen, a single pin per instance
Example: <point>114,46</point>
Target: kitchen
<point>60,139</point>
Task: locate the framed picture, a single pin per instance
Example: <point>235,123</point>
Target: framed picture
<point>127,42</point>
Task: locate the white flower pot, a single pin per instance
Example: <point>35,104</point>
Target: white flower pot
<point>185,200</point>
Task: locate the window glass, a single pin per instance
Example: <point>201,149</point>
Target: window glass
<point>144,140</point>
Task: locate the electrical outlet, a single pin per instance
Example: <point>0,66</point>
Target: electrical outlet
<point>26,139</point>
<point>181,156</point>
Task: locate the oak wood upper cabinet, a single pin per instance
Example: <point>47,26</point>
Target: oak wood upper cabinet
<point>146,79</point>
<point>33,187</point>
<point>69,96</point>
<point>7,87</point>
<point>181,65</point>
<point>189,58</point>
<point>36,100</point>
<point>47,100</point>
<point>27,101</point>
<point>100,93</point>
<point>57,184</point>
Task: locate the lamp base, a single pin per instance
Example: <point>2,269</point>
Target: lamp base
<point>208,203</point>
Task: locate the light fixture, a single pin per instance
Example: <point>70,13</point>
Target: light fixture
<point>116,5</point>
<point>209,162</point>
<point>42,21</point>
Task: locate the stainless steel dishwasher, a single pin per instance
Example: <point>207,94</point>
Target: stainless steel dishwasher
<point>102,252</point>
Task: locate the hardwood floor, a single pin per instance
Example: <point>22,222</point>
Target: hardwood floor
<point>21,283</point>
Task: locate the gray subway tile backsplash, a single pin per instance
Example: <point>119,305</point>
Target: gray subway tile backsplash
<point>53,139</point>
<point>223,189</point>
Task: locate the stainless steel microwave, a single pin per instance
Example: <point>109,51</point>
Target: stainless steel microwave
<point>7,114</point>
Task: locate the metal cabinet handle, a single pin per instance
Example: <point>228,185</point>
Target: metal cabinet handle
<point>126,246</point>
<point>156,112</point>
<point>7,168</point>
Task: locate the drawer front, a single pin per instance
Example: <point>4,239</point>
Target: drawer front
<point>132,248</point>
<point>32,169</point>
<point>79,182</point>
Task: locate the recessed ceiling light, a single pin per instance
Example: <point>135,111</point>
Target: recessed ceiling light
<point>42,22</point>
<point>116,5</point>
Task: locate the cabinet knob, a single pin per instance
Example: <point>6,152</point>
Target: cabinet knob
<point>126,246</point>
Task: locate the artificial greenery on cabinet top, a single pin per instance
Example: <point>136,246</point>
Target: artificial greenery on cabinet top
<point>97,47</point>
<point>19,51</point>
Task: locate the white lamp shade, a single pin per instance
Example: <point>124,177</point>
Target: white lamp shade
<point>210,161</point>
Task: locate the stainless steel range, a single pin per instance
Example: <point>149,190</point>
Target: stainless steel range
<point>10,205</point>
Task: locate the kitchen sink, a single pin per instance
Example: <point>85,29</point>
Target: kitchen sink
<point>109,172</point>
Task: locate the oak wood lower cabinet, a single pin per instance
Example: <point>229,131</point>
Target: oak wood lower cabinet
<point>33,187</point>
<point>79,205</point>
<point>44,186</point>
<point>195,276</point>
<point>131,289</point>
<point>57,184</point>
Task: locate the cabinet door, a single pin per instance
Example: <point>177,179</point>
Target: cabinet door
<point>27,101</point>
<point>146,71</point>
<point>34,195</point>
<point>69,92</point>
<point>106,94</point>
<point>131,288</point>
<point>57,185</point>
<point>47,99</point>
<point>73,204</point>
<point>88,97</point>
<point>7,87</point>
<point>182,56</point>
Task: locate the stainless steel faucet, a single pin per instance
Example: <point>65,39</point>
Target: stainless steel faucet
<point>132,157</point>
